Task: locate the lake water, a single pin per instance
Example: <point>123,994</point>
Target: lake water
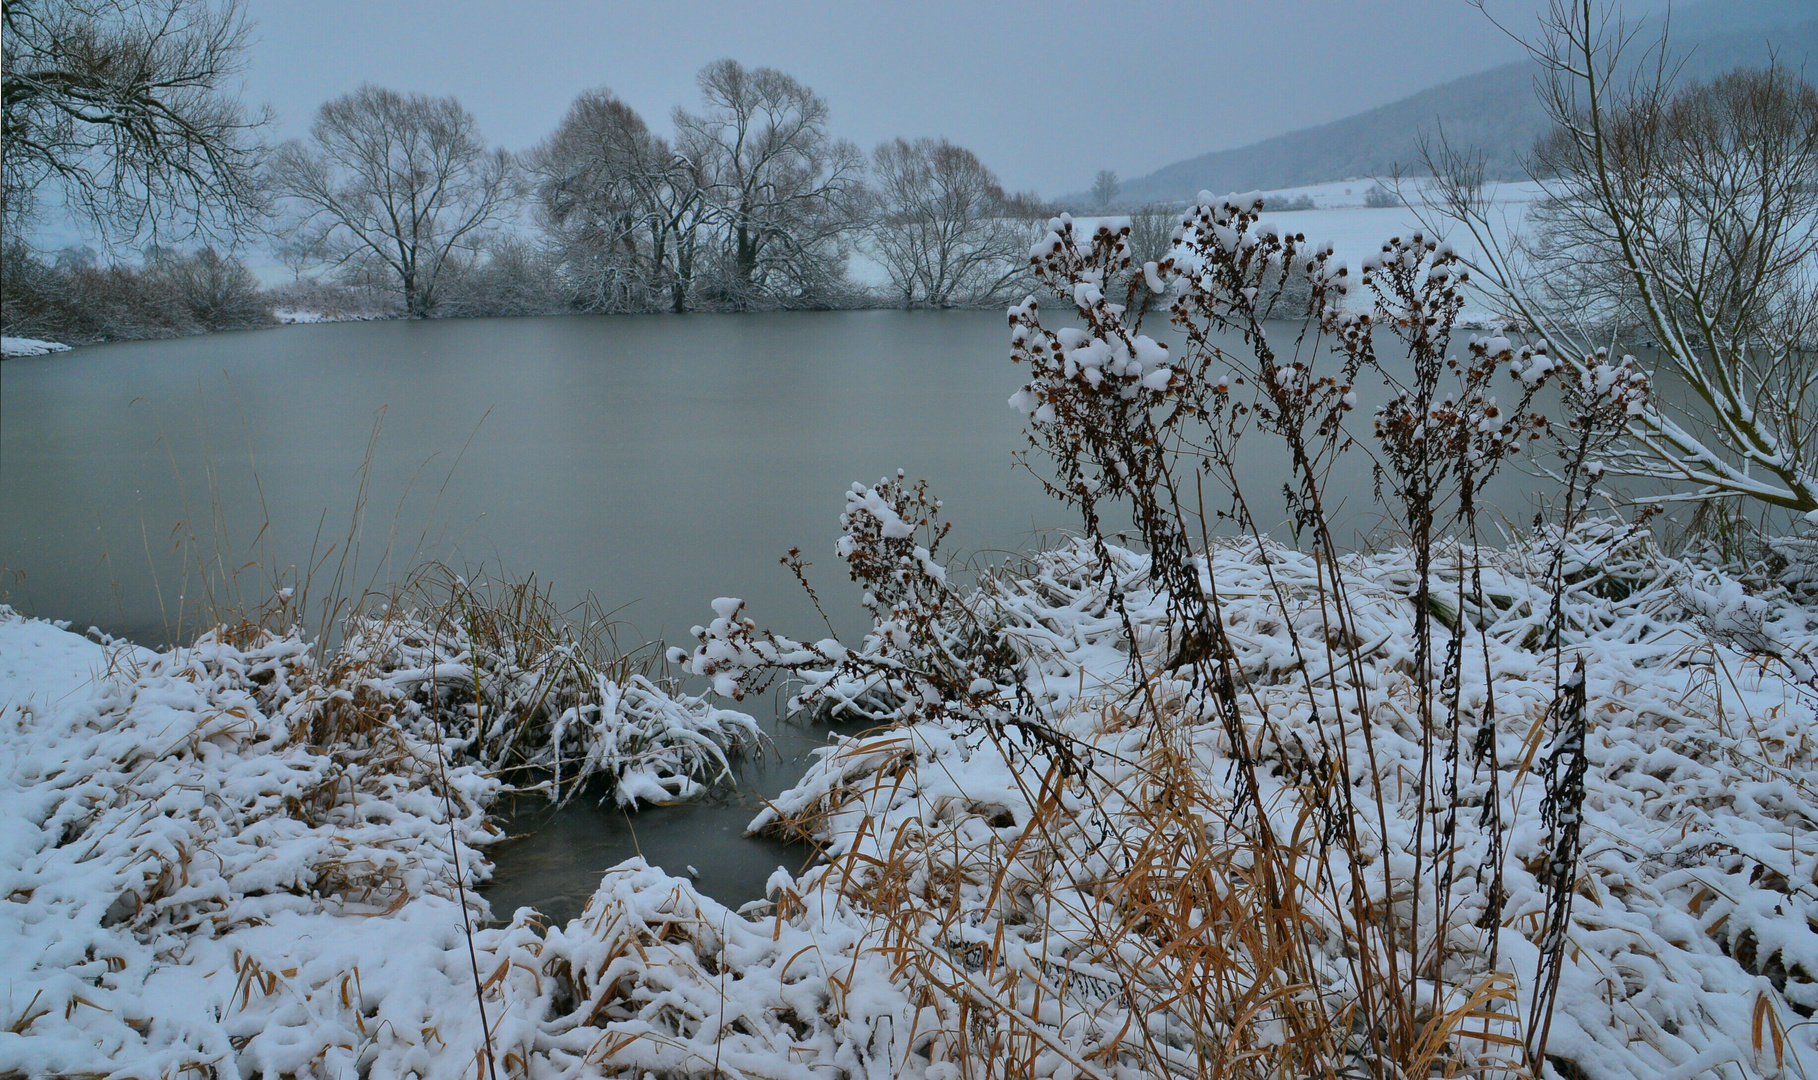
<point>654,462</point>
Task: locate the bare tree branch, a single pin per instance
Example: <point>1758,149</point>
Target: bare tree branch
<point>1681,217</point>
<point>120,108</point>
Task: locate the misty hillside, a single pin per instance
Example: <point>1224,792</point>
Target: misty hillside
<point>1493,111</point>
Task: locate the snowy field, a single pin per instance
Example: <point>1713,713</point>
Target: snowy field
<point>1339,217</point>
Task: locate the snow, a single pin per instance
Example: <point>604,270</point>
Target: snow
<point>42,665</point>
<point>192,881</point>
<point>235,857</point>
<point>1355,233</point>
<point>300,317</point>
<point>1692,914</point>
<point>186,879</point>
<point>22,346</point>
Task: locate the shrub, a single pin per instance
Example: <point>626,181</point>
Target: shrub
<point>1378,197</point>
<point>1298,202</point>
<point>172,295</point>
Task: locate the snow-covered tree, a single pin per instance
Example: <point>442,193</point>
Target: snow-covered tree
<point>1682,218</point>
<point>623,210</point>
<point>943,227</point>
<point>397,186</point>
<point>1105,187</point>
<point>782,189</point>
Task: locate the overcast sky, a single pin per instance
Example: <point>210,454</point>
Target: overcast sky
<point>1046,92</point>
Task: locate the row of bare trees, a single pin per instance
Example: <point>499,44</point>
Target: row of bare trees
<point>753,202</point>
<point>122,107</point>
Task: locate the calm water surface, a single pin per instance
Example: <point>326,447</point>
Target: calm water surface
<point>653,462</point>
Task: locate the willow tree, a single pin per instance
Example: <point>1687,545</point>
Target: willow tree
<point>781,189</point>
<point>1680,216</point>
<point>398,186</point>
<point>621,207</point>
<point>943,227</point>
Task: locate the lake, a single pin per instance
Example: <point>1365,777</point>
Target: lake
<point>652,462</point>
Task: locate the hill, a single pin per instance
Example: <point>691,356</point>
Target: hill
<point>1494,112</point>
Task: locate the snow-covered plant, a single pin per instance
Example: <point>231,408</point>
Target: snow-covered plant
<point>1124,420</point>
<point>933,651</point>
<point>505,679</point>
<point>1385,885</point>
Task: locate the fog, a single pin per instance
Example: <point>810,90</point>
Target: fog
<point>1046,93</point>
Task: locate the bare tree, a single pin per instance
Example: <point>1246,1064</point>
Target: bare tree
<point>623,209</point>
<point>1687,217</point>
<point>1155,229</point>
<point>1105,187</point>
<point>298,255</point>
<point>943,227</point>
<point>782,190</point>
<point>395,186</point>
<point>119,106</point>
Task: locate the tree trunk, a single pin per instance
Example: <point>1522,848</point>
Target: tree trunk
<point>684,273</point>
<point>746,265</point>
<point>414,307</point>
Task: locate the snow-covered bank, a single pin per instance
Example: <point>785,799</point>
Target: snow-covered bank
<point>190,882</point>
<point>22,346</point>
<point>1691,943</point>
<point>299,317</point>
<point>239,858</point>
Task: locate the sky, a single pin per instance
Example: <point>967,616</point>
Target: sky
<point>1047,93</point>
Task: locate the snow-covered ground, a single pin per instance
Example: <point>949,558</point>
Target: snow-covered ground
<point>21,346</point>
<point>1357,232</point>
<point>298,317</point>
<point>239,858</point>
<point>1339,217</point>
<point>197,875</point>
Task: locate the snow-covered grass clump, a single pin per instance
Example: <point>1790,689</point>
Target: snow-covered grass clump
<point>251,856</point>
<point>541,697</point>
<point>301,317</point>
<point>22,346</point>
<point>191,881</point>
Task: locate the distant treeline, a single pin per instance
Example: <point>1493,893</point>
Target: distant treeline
<point>395,206</point>
<point>73,298</point>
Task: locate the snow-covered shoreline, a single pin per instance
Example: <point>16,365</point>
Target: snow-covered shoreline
<point>192,880</point>
<point>23,346</point>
